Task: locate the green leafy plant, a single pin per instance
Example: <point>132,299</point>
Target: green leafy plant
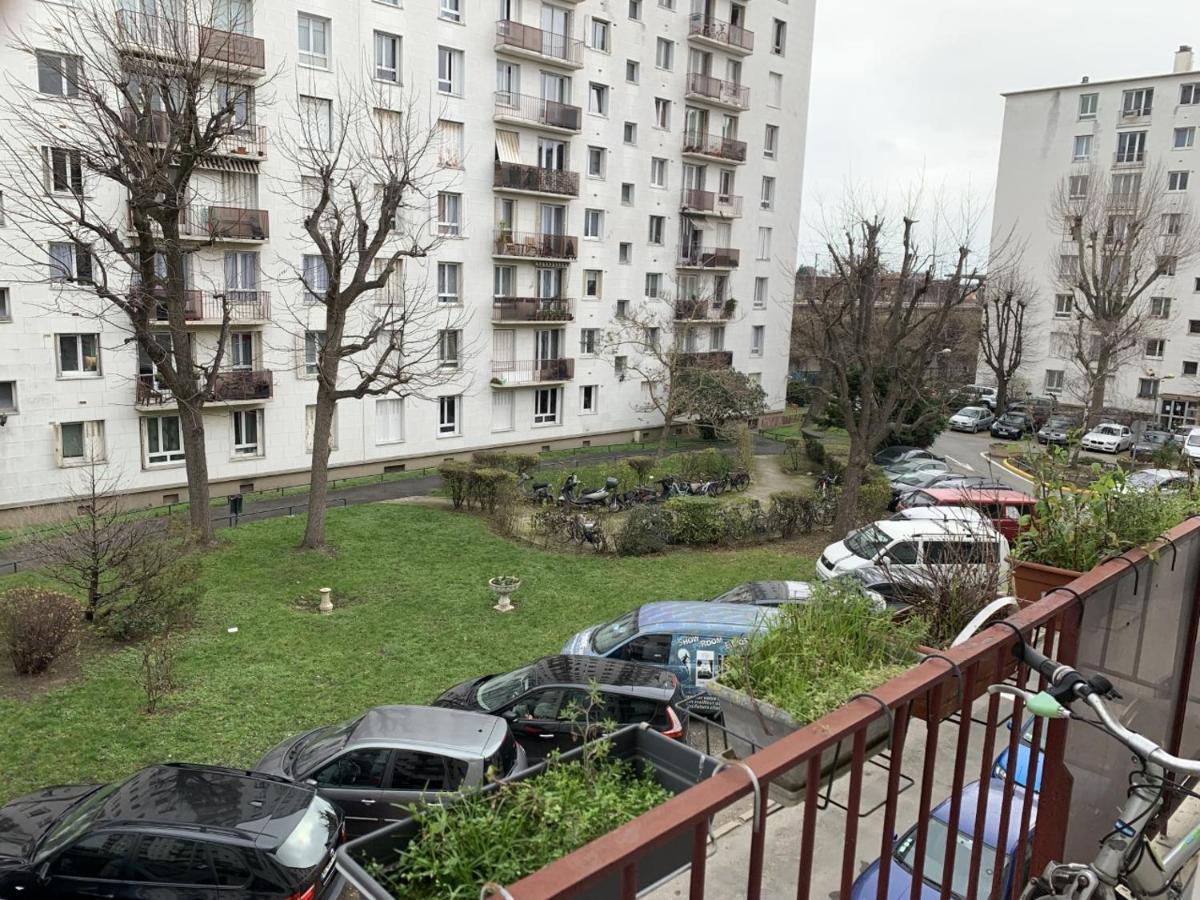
<point>790,513</point>
<point>696,520</point>
<point>456,479</point>
<point>795,455</point>
<point>646,530</point>
<point>506,581</point>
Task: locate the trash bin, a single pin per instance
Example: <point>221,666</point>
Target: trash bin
<point>235,508</point>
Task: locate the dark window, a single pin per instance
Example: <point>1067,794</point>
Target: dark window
<point>168,860</point>
<point>920,498</point>
<point>1194,324</point>
<point>651,648</point>
<point>904,553</point>
<point>625,710</point>
<point>544,704</point>
<point>502,761</point>
<point>96,856</point>
<point>230,865</point>
<point>421,772</point>
<point>358,769</point>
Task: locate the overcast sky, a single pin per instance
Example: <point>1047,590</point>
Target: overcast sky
<point>910,89</point>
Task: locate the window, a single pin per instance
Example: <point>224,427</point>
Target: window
<point>598,98</point>
<point>764,243</point>
<point>767,200</point>
<point>778,37</point>
<point>389,421</point>
<point>1147,387</point>
<point>450,143</point>
<point>313,42</point>
<point>591,283</point>
<point>770,141</point>
<point>450,71</point>
<point>449,418</point>
<point>1137,102</point>
<point>651,335</point>
<point>387,57</point>
<point>8,396</point>
<point>58,75</point>
<point>70,262</point>
<point>1155,348</point>
<point>633,71</point>
<point>630,132</point>
<point>774,90</point>
<point>100,856</point>
<point>624,253</point>
<point>635,10</point>
<point>757,337</point>
<point>247,432</point>
<point>78,354</point>
<point>1082,148</point>
<point>600,35</point>
<point>622,311</point>
<point>760,292</point>
<point>1194,326</point>
<point>1055,379</point>
<point>316,122</point>
<point>664,54</point>
<point>450,10</point>
<point>626,193</point>
<point>449,341</point>
<point>163,441</point>
<point>64,170</point>
<point>1172,224</point>
<point>1189,94</point>
<point>1068,266</point>
<point>593,223</point>
<point>80,442</point>
<point>449,208</point>
<point>503,407</point>
<point>658,172</point>
<point>545,406</point>
<point>1190,368</point>
<point>1077,186</point>
<point>587,341</point>
<point>589,395</point>
<point>716,337</point>
<point>314,343</point>
<point>450,282</point>
<point>1167,265</point>
<point>653,285</point>
<point>1088,104</point>
<point>666,4</point>
<point>595,162</point>
<point>357,769</point>
<point>1185,138</point>
<point>5,306</point>
<point>1160,307</point>
<point>620,367</point>
<point>1177,181</point>
<point>657,228</point>
<point>315,276</point>
<point>1131,147</point>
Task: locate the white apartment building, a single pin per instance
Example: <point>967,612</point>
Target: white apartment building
<point>1124,133</point>
<point>595,154</point>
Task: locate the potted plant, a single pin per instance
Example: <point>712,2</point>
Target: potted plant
<point>810,659</point>
<point>504,586</point>
<point>509,830</point>
<point>730,307</point>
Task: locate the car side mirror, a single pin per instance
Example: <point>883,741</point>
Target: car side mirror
<point>311,781</point>
<point>509,714</point>
<point>43,873</point>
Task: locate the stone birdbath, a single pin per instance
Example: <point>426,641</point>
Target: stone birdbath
<point>503,587</point>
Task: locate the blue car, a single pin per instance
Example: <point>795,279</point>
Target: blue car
<point>905,849</point>
<point>1020,773</point>
<point>690,638</point>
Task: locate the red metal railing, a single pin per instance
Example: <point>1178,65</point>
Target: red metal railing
<point>716,30</point>
<point>714,145</point>
<point>531,309</point>
<point>517,177</point>
<point>710,257</point>
<point>694,200</point>
<point>535,40</point>
<point>727,92</point>
<point>227,222</point>
<point>527,108</point>
<point>534,244</point>
<point>532,371</point>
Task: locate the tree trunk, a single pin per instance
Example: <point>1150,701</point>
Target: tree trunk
<point>665,434</point>
<point>195,461</point>
<point>314,529</point>
<point>1099,386</point>
<point>1001,396</point>
<point>856,469</point>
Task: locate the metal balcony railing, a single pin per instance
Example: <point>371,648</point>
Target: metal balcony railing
<point>243,140</point>
<point>701,311</point>
<point>231,386</point>
<point>1129,158</point>
<point>729,93</point>
<point>532,371</point>
<point>174,39</point>
<point>714,145</point>
<point>209,306</point>
<point>531,309</point>
<point>535,40</point>
<point>694,200</point>
<point>734,36</point>
<point>535,245</point>
<point>225,223</point>
<point>707,359</point>
<point>527,108</point>
<point>517,177</point>
<point>710,257</point>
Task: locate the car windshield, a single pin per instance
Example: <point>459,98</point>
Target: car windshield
<point>74,823</point>
<point>971,412</point>
<point>496,692</point>
<point>1144,479</point>
<point>309,841</point>
<point>867,542</point>
<point>1108,429</point>
<point>606,637</point>
<point>1012,418</point>
<point>1059,424</point>
<point>1193,440</point>
<point>321,744</point>
<point>935,859</point>
<point>1155,437</point>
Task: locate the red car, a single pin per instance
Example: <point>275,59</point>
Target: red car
<point>1004,507</point>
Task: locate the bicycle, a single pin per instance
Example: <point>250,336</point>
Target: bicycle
<point>1125,859</point>
<point>825,503</point>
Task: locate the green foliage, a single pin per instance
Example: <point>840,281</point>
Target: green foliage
<point>699,465</point>
<point>714,397</point>
<point>160,587</point>
<point>923,417</point>
<point>642,466</point>
<point>37,627</point>
<point>456,479</point>
<point>799,393</point>
<point>743,442</point>
<point>695,520</point>
<point>646,530</point>
<point>795,455</point>
<point>814,449</point>
<point>791,513</point>
<point>487,487</point>
<point>518,463</point>
<point>814,656</point>
<point>874,496</point>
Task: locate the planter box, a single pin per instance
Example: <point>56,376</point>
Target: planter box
<point>764,724</point>
<point>1031,580</point>
<point>673,764</point>
<point>984,676</point>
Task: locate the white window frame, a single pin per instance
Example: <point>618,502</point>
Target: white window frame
<point>599,97</point>
<point>450,348</point>
<point>1054,380</point>
<point>449,415</point>
<point>629,134</point>
<point>1155,348</point>
<point>598,282</point>
<point>659,176</point>
<point>1089,104</point>
<point>774,90</point>
<point>600,35</point>
<point>449,283</point>
<point>593,224</point>
<point>245,449</point>
<point>449,214</point>
<point>547,406</point>
<point>635,10</point>
<point>662,113</point>
<point>656,230</point>
<point>77,338</point>
<point>91,443</point>
<point>1178,179</point>
<point>1064,306</point>
<point>770,140</point>
<point>152,429</point>
<point>309,56</point>
<point>1077,186</point>
<point>1184,138</point>
<point>628,193</point>
<point>589,399</point>
<point>1137,102</point>
<point>1081,147</point>
<point>1160,307</point>
<point>767,197</point>
<point>450,71</point>
<point>595,161</point>
<point>5,305</point>
<point>313,341</point>
<point>624,253</point>
<point>760,292</point>
<point>758,338</point>
<point>589,341</point>
<point>316,115</point>
<point>13,407</point>
<point>653,285</point>
<point>389,418</point>
<point>387,44</point>
<point>764,242</point>
<point>451,11</point>
<point>310,422</point>
<point>504,403</point>
<point>778,37</point>
<point>1148,388</point>
<point>664,54</point>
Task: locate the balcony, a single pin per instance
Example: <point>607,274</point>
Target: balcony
<point>244,141</point>
<point>231,386</point>
<point>184,42</point>
<point>724,36</point>
<point>707,359</point>
<point>535,180</point>
<point>709,258</point>
<point>1129,160</point>
<point>714,146</point>
<point>700,310</point>
<point>534,245</point>
<point>524,109</point>
<point>717,91</point>
<point>516,39</point>
<point>530,310</point>
<point>710,203</point>
<point>507,373</point>
<point>224,223</point>
<point>208,308</point>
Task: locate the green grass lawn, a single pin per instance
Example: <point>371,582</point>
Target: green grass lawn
<point>417,619</point>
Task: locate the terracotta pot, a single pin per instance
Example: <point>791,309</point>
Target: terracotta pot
<point>1031,580</point>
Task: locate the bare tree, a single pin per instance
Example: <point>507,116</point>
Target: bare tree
<point>104,190</point>
<point>1004,301</point>
<point>1122,242</point>
<point>366,188</point>
<point>875,328</point>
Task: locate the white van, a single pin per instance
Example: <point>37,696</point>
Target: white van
<point>1191,445</point>
<point>915,545</point>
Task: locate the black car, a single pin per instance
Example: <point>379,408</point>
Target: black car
<point>890,456</point>
<point>1012,425</point>
<point>1057,430</point>
<point>547,701</point>
<point>171,832</point>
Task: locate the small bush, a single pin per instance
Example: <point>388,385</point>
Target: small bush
<point>524,463</point>
<point>492,459</point>
<point>743,442</point>
<point>814,449</point>
<point>486,487</point>
<point>642,466</point>
<point>701,464</point>
<point>795,456</point>
<point>157,672</point>
<point>790,513</point>
<point>799,393</point>
<point>647,530</point>
<point>456,479</point>
<point>162,587</point>
<point>38,626</point>
<point>696,520</point>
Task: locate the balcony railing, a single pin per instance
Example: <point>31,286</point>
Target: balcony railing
<point>208,306</point>
<point>729,93</point>
<point>244,140</point>
<point>693,200</point>
<point>178,40</point>
<point>231,386</point>
<point>710,257</point>
<point>516,36</point>
<point>225,223</point>
<point>707,359</point>
<point>535,245</point>
<point>734,36</point>
<point>531,371</point>
<point>535,110</point>
<point>714,145</point>
<point>1129,158</point>
<point>701,311</point>
<point>516,177</point>
<point>531,309</point>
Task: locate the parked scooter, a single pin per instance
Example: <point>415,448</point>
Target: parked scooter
<point>573,495</point>
<point>538,492</point>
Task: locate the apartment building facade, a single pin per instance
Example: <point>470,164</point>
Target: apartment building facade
<point>594,155</point>
<point>1119,137</point>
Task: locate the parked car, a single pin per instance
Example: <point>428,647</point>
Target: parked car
<point>1191,446</point>
<point>690,638</point>
<point>1012,425</point>
<point>1167,481</point>
<point>890,584</point>
<point>890,456</point>
<point>938,830</point>
<point>1057,430</point>
<point>972,419</point>
<point>1151,442</point>
<point>975,394</point>
<point>940,514</point>
<point>914,546</point>
<point>916,466</point>
<point>775,593</point>
<point>1021,761</point>
<point>391,757</point>
<point>1003,508</point>
<point>1108,438</point>
<point>545,701</point>
<point>172,832</point>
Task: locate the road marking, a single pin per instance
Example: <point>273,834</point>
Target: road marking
<point>964,465</point>
<point>992,463</point>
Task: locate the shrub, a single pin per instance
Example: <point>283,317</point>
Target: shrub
<point>874,496</point>
<point>157,672</point>
<point>524,463</point>
<point>799,393</point>
<point>38,626</point>
<point>701,464</point>
<point>696,520</point>
<point>647,530</point>
<point>790,513</point>
<point>642,466</point>
<point>795,455</point>
<point>493,459</point>
<point>456,479</point>
<point>486,487</point>
<point>162,587</point>
<point>743,442</point>
<point>814,449</point>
